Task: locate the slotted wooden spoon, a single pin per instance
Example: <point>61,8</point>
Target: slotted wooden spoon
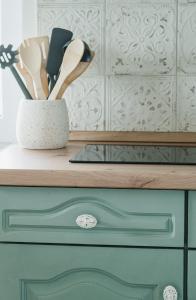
<point>31,57</point>
<point>43,42</point>
<point>71,60</point>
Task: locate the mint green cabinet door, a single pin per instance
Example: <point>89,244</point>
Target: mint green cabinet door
<point>43,272</point>
<point>192,219</point>
<point>124,217</point>
<point>192,275</point>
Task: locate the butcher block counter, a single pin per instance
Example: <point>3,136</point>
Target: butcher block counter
<point>52,168</point>
<point>91,231</point>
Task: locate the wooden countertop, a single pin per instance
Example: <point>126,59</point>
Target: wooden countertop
<point>20,167</point>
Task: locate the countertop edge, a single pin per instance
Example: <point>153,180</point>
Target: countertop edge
<point>96,179</point>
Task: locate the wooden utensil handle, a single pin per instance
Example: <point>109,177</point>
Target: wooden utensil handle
<point>40,95</point>
<point>58,86</point>
<point>20,83</point>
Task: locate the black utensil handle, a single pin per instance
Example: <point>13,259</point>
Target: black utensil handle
<point>21,83</point>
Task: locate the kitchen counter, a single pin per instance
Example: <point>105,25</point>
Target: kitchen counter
<point>20,167</point>
<point>106,224</point>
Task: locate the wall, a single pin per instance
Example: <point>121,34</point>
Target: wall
<point>143,76</point>
<point>11,33</point>
<point>23,16</point>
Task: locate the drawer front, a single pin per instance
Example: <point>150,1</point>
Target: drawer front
<point>191,275</point>
<point>36,272</point>
<point>124,217</point>
<point>192,219</point>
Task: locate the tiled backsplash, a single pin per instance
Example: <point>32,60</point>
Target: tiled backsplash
<point>143,77</point>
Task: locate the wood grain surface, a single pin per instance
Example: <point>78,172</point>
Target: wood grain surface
<point>22,167</point>
<point>134,136</point>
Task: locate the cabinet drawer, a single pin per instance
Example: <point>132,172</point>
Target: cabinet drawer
<point>124,217</point>
<point>192,219</point>
<point>35,272</point>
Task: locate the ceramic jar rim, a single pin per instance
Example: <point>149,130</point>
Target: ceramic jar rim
<point>42,100</point>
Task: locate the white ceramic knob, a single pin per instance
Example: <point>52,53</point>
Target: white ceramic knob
<point>170,293</point>
<point>86,221</point>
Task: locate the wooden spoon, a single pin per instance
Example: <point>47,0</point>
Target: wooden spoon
<point>31,57</point>
<point>80,69</point>
<point>71,60</point>
<point>43,42</point>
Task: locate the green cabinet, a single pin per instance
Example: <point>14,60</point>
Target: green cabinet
<point>79,243</point>
<point>191,275</point>
<point>50,272</point>
<point>192,219</point>
<point>124,217</point>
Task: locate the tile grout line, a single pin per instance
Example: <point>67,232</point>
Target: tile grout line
<point>106,110</point>
<point>176,81</point>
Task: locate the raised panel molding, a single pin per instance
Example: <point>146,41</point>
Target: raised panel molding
<point>85,283</point>
<point>110,219</point>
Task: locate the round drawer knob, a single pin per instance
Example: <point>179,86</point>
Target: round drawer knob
<point>86,221</point>
<point>170,293</point>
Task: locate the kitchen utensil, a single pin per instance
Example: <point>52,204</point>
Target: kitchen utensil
<point>71,60</point>
<point>43,42</point>
<point>79,70</point>
<point>8,59</point>
<point>27,77</point>
<point>59,38</point>
<point>87,52</point>
<point>31,57</point>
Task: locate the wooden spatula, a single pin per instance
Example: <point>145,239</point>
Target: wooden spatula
<point>31,57</point>
<point>43,42</point>
<point>79,70</point>
<point>71,60</point>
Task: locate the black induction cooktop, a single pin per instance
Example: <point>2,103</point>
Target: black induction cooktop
<point>136,154</point>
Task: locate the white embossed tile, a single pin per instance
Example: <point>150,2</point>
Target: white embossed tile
<point>141,103</point>
<point>187,37</point>
<point>84,18</point>
<point>186,104</point>
<point>85,101</point>
<point>141,37</point>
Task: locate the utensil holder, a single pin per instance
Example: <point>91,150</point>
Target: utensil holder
<point>42,124</point>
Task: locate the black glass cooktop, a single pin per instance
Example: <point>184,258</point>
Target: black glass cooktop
<point>137,154</point>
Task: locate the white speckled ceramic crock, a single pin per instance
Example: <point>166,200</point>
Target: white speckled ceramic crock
<point>42,124</point>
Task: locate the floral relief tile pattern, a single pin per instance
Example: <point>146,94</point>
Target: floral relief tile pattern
<point>187,38</point>
<point>137,103</point>
<point>143,76</point>
<point>186,109</point>
<point>85,102</point>
<point>86,21</point>
<point>141,37</point>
